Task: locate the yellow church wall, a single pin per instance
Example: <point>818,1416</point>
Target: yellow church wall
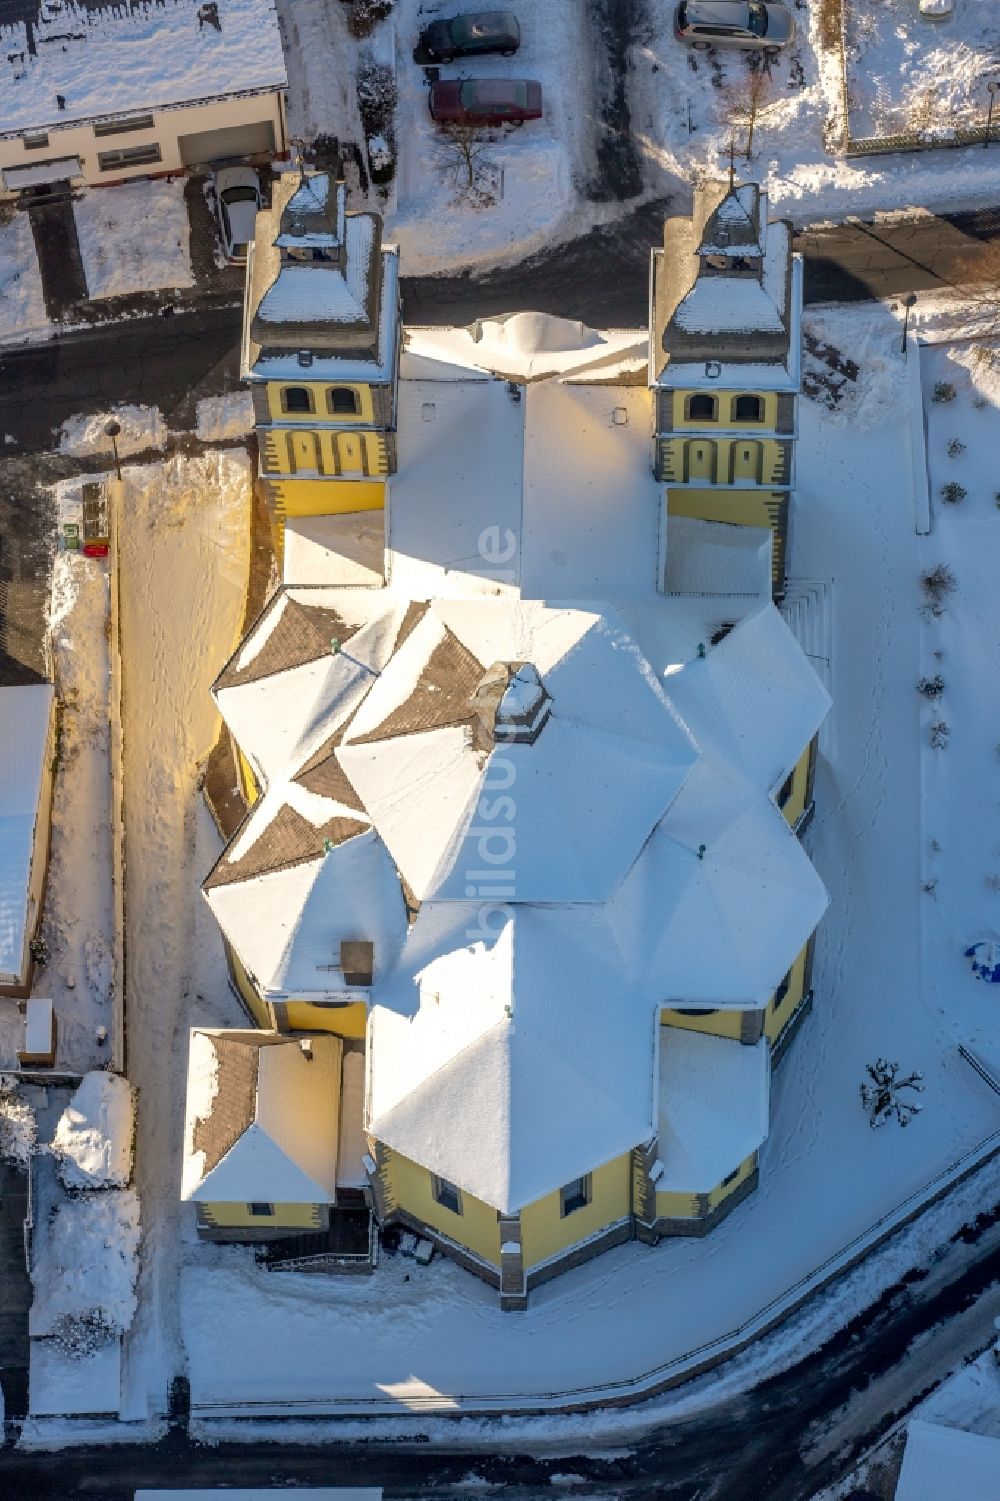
<point>676,1206</point>
<point>285,1216</point>
<point>723,1190</point>
<point>345,1021</point>
<point>248,782</point>
<point>742,507</point>
<point>719,1024</point>
<point>776,1017</point>
<point>328,497</point>
<point>476,1228</point>
<point>724,460</point>
<point>795,804</point>
<point>318,391</point>
<point>545,1231</point>
<point>257,1007</point>
<point>305,453</point>
<point>725,410</point>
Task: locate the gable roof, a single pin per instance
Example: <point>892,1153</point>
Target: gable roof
<point>947,1464</point>
<point>262,1119</point>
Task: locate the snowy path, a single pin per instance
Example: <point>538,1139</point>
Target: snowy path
<point>185,553</point>
<point>320,55</point>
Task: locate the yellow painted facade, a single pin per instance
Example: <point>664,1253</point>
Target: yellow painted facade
<point>776,1017</point>
<point>798,797</point>
<point>285,1216</point>
<point>310,452</point>
<point>723,1190</point>
<point>545,1231</point>
<point>682,1206</point>
<point>476,1228</point>
<point>725,410</point>
<point>255,1005</point>
<point>345,1021</point>
<point>320,397</point>
<point>718,1024</point>
<point>327,497</point>
<point>729,459</point>
<point>742,507</point>
<point>248,782</point>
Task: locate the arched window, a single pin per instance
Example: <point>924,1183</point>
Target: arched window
<point>296,399</point>
<point>341,401</point>
<point>702,408</point>
<point>748,409</point>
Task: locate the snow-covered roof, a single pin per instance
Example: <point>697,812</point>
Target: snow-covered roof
<point>510,1063</point>
<point>315,215</point>
<point>346,550</point>
<point>114,60</point>
<point>948,1464</point>
<point>25,713</point>
<point>524,347</point>
<point>713,1107</point>
<point>427,745</point>
<point>717,305</point>
<point>261,1119</point>
<point>93,1139</point>
<point>716,557</point>
<point>34,174</point>
<point>722,898</point>
<point>756,694</point>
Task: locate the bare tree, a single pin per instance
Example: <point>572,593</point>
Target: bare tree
<point>462,151</point>
<point>746,101</point>
<point>881,1098</point>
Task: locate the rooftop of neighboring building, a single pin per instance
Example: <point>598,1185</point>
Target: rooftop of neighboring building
<point>104,61</point>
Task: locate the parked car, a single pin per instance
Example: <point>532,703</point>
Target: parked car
<point>733,23</point>
<point>237,199</point>
<point>485,101</point>
<point>465,36</point>
<point>936,10</point>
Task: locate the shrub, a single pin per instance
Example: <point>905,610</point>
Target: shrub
<point>943,391</point>
<point>953,493</point>
<point>931,687</point>
<point>376,95</point>
<point>365,16</point>
<point>979,401</point>
<point>940,734</point>
<point>955,447</point>
<point>937,583</point>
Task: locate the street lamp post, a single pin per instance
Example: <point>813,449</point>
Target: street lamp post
<point>992,87</point>
<point>112,429</point>
<point>907,304</point>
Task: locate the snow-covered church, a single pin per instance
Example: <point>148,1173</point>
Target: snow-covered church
<point>515,898</point>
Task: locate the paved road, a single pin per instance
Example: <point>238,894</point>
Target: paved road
<point>780,1442</point>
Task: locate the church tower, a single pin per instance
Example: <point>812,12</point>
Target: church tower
<point>321,337</point>
<point>725,356</point>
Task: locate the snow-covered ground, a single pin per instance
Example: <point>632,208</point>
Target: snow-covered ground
<point>907,72</point>
<point>84,435</point>
<point>135,237</point>
<point>22,307</point>
<point>220,419</point>
<point>686,104</point>
<point>185,555</point>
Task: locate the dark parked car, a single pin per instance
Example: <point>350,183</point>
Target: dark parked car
<point>465,36</point>
<point>733,23</point>
<point>485,101</point>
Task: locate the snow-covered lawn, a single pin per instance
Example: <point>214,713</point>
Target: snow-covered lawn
<point>683,103</point>
<point>134,237</point>
<point>826,1177</point>
<point>185,556</point>
<point>140,428</point>
<point>22,307</point>
<point>907,72</point>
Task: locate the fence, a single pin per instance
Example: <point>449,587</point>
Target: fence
<point>116,498</point>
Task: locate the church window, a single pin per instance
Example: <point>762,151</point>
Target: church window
<point>296,399</point>
<point>341,401</point>
<point>748,409</point>
<point>702,408</point>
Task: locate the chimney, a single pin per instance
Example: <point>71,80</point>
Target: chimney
<point>357,960</point>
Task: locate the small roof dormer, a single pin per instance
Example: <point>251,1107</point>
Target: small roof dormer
<point>313,222</point>
<point>734,234</point>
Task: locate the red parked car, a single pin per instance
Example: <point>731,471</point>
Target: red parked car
<point>485,101</point>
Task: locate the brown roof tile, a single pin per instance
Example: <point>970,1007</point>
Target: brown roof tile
<point>302,634</point>
<point>441,698</point>
<point>289,839</point>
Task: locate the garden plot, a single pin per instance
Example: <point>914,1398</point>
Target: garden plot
<point>908,74</point>
<point>135,237</point>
